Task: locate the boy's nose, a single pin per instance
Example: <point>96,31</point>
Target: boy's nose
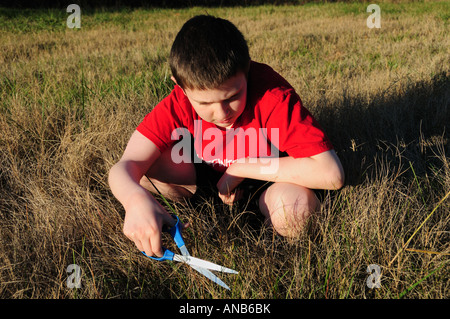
<point>223,110</point>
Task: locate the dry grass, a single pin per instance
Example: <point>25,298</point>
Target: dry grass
<point>71,98</point>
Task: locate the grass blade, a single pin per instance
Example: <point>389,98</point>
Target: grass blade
<point>418,228</point>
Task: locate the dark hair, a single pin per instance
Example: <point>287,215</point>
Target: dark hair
<point>206,52</point>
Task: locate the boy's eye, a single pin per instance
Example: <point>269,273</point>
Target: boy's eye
<point>230,99</point>
<point>234,97</point>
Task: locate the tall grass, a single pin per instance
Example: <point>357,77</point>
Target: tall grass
<point>71,98</point>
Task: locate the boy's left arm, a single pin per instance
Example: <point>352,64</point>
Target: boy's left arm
<point>321,171</point>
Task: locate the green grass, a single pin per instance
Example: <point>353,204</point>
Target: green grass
<point>129,19</point>
<point>69,100</point>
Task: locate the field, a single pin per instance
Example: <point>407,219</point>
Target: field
<point>70,99</point>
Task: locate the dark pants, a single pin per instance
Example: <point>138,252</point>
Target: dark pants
<point>207,179</point>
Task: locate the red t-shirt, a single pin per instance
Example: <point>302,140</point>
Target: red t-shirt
<point>274,123</point>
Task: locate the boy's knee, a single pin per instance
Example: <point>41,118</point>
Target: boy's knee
<point>288,207</point>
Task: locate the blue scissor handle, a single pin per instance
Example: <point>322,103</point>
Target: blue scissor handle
<point>175,232</point>
<point>168,255</point>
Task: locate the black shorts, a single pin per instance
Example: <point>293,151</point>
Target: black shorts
<point>207,179</point>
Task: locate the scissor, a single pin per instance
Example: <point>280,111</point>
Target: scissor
<point>200,265</point>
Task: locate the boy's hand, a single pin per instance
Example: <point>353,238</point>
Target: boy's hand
<point>227,186</point>
<point>143,223</point>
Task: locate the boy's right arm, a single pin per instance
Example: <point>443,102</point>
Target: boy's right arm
<point>144,216</point>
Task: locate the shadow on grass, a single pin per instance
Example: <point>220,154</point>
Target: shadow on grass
<point>412,123</point>
<point>402,129</point>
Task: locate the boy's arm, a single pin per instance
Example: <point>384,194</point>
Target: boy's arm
<point>321,171</point>
<point>144,216</point>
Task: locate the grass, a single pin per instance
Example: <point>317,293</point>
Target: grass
<point>70,99</point>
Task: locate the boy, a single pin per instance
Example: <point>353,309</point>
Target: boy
<point>236,110</point>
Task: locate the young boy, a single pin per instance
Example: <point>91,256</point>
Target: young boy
<point>246,122</point>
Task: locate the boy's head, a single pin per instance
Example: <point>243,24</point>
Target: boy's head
<point>207,52</point>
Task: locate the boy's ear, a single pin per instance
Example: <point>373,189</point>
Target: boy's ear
<point>175,81</point>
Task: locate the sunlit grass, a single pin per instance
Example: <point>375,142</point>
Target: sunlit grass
<point>69,100</point>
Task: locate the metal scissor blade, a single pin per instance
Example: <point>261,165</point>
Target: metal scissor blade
<point>203,264</point>
<point>210,276</point>
<point>205,272</point>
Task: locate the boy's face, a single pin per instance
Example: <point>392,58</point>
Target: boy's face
<point>223,105</point>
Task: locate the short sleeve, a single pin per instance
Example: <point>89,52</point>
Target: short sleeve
<point>160,124</point>
<point>299,134</point>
